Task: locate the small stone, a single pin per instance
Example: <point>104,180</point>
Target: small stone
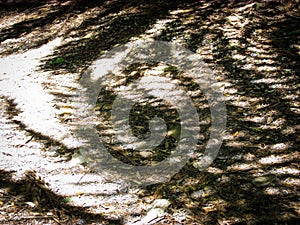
<point>31,204</point>
<point>81,222</point>
<point>161,203</point>
<point>146,154</point>
<point>77,158</point>
<point>197,195</point>
<point>157,209</point>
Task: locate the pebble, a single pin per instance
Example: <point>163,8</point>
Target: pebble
<point>197,195</point>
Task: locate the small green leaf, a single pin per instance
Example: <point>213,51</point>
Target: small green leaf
<point>57,61</point>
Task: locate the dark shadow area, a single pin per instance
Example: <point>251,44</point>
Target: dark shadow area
<point>259,128</point>
<point>141,114</point>
<point>113,25</point>
<point>26,26</point>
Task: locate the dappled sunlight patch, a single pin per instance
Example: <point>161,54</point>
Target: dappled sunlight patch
<point>296,110</point>
<point>243,166</point>
<point>229,93</point>
<point>278,192</point>
<point>180,11</point>
<point>249,157</point>
<point>269,80</point>
<point>242,144</point>
<point>286,171</point>
<point>292,182</point>
<point>241,102</point>
<point>272,191</point>
<point>267,68</point>
<point>274,124</point>
<point>255,49</point>
<point>282,86</point>
<point>255,119</point>
<point>292,98</point>
<point>252,101</point>
<point>278,147</point>
<point>297,47</point>
<point>279,159</point>
<point>229,220</point>
<point>240,134</point>
<point>130,10</point>
<point>214,170</point>
<point>290,129</point>
<point>155,30</point>
<point>238,57</point>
